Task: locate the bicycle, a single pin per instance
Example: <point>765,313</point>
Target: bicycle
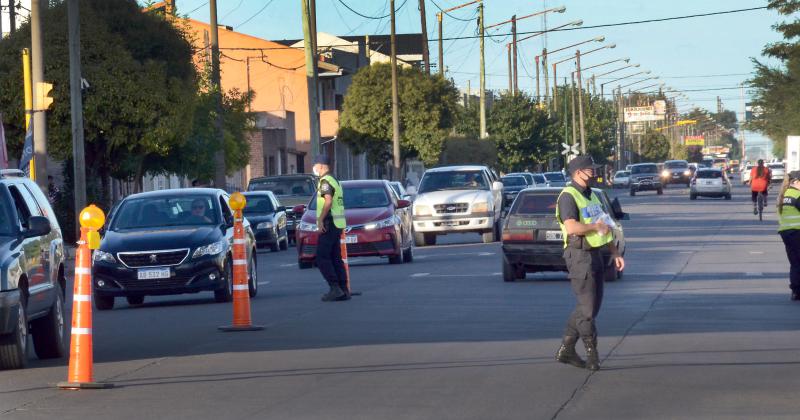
<point>761,201</point>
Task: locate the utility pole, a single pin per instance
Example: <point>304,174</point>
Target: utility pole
<point>76,106</point>
<point>311,80</point>
<point>538,95</point>
<point>546,80</point>
<point>248,83</point>
<point>620,132</point>
<point>426,57</point>
<point>580,102</point>
<point>216,86</point>
<point>483,73</point>
<point>39,166</point>
<point>555,87</point>
<point>441,48</point>
<point>12,16</point>
<point>395,100</point>
<point>574,125</point>
<point>514,43</point>
<point>510,71</point>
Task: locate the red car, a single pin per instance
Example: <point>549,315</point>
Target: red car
<point>378,224</point>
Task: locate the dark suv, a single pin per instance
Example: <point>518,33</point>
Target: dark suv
<point>291,190</point>
<point>676,172</point>
<point>645,177</point>
<point>32,283</point>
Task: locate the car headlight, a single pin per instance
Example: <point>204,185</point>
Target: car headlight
<point>687,172</point>
<point>307,227</point>
<point>102,256</point>
<point>422,210</point>
<point>391,221</point>
<point>665,174</point>
<point>210,249</point>
<point>264,225</point>
<point>480,207</point>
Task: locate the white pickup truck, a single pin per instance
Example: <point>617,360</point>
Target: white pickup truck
<point>457,199</point>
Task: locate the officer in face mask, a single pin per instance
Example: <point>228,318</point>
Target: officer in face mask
<point>586,230</point>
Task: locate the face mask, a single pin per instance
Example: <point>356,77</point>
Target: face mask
<point>315,171</point>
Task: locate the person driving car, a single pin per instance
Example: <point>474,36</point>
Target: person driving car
<point>198,214</point>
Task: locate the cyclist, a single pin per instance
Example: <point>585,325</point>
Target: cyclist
<point>789,228</point>
<point>760,177</point>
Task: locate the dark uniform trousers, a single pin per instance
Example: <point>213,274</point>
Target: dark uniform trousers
<point>791,240</point>
<point>329,256</point>
<point>586,277</point>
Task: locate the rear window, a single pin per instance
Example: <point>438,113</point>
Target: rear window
<point>539,178</point>
<point>535,204</point>
<point>720,160</point>
<point>676,165</point>
<point>513,181</point>
<point>709,174</point>
<point>644,169</point>
<point>622,174</point>
<point>555,176</point>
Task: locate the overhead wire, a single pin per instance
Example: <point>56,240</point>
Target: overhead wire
<point>453,16</point>
<point>197,8</point>
<point>256,14</point>
<point>371,17</point>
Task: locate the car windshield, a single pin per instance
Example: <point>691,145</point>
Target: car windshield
<point>539,178</point>
<point>396,189</point>
<point>284,186</point>
<point>513,181</point>
<point>644,169</point>
<point>676,165</point>
<point>535,204</point>
<point>621,174</point>
<point>453,180</point>
<point>258,205</point>
<point>7,224</point>
<point>155,212</point>
<point>776,165</point>
<point>709,174</point>
<point>554,176</point>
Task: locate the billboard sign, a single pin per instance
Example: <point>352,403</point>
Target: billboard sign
<point>694,141</point>
<point>792,153</point>
<point>642,113</point>
<point>660,107</point>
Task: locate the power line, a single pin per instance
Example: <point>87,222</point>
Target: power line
<point>232,10</point>
<point>372,17</point>
<point>256,14</point>
<point>198,8</point>
<point>455,17</point>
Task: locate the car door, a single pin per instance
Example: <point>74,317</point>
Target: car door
<point>33,250</point>
<point>280,215</point>
<point>497,195</point>
<point>404,214</point>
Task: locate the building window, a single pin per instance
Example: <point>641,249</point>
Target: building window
<point>271,165</point>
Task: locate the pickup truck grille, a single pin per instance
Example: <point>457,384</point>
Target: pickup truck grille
<point>451,208</point>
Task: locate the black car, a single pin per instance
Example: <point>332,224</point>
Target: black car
<point>293,190</point>
<point>532,239</point>
<point>512,185</point>
<point>676,172</point>
<point>169,242</point>
<point>268,219</point>
<point>645,177</point>
<point>32,280</point>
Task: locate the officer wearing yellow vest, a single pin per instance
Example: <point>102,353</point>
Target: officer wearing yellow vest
<point>789,228</point>
<point>330,222</point>
<point>586,230</point>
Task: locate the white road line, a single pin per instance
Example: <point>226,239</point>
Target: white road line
<point>264,283</point>
<point>420,274</point>
<point>288,265</point>
<point>753,274</point>
<point>668,273</point>
<point>756,252</point>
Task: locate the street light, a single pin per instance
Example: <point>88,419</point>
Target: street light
<point>555,75</point>
<point>648,87</point>
<point>544,60</point>
<point>640,81</point>
<point>439,16</point>
<point>575,23</point>
<point>602,85</point>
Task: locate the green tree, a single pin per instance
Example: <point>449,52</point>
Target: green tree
<point>467,119</point>
<point>524,133</point>
<point>469,150</point>
<point>427,113</point>
<point>655,147</point>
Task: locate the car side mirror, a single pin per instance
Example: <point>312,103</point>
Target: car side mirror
<point>402,204</point>
<point>299,209</point>
<point>37,226</point>
<point>497,186</point>
<point>411,190</point>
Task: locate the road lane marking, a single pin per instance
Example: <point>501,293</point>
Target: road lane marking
<point>668,273</point>
<point>264,283</point>
<point>756,252</point>
<point>420,274</point>
<point>288,265</point>
<point>753,274</point>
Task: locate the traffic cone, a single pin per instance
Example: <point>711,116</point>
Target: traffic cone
<point>343,245</point>
<point>81,375</point>
<point>241,292</point>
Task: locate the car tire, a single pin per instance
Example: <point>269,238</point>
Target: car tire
<point>728,197</point>
<point>14,345</point>
<point>274,247</point>
<point>660,191</point>
<point>102,302</point>
<point>396,259</point>
<point>509,273</point>
<point>633,192</point>
<point>304,265</point>
<point>252,276</point>
<point>135,300</point>
<point>285,243</point>
<point>424,239</point>
<point>692,196</point>
<point>408,254</point>
<point>489,237</point>
<point>225,294</point>
<point>49,332</point>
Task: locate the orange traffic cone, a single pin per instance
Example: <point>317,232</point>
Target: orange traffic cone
<point>241,292</point>
<point>81,374</point>
<point>343,245</point>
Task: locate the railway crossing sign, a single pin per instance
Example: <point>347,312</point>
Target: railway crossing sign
<point>570,149</point>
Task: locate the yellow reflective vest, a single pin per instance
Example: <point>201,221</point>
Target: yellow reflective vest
<point>789,215</point>
<point>337,207</point>
<point>590,211</point>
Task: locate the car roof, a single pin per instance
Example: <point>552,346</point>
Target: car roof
<point>364,183</point>
<point>644,163</point>
<point>709,170</point>
<point>179,192</point>
<point>267,178</point>
<point>457,168</point>
<point>512,176</point>
<point>255,193</point>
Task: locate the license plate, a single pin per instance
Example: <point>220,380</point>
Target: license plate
<point>351,239</point>
<point>153,273</point>
<point>553,235</point>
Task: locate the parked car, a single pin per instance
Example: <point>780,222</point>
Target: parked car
<point>676,172</point>
<point>645,177</point>
<point>533,241</point>
<point>746,174</point>
<point>33,281</point>
<point>778,171</point>
<point>512,185</point>
<point>541,181</point>
<point>556,179</point>
<point>529,178</point>
<point>169,242</point>
<point>267,219</point>
<point>622,179</point>
<point>291,190</point>
<point>378,224</point>
<point>710,182</point>
<point>457,199</point>
<point>400,191</point>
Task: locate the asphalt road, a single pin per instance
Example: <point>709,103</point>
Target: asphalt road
<point>700,326</point>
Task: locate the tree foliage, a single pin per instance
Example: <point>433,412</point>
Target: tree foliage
<point>469,150</point>
<point>655,147</point>
<point>524,133</point>
<point>427,112</point>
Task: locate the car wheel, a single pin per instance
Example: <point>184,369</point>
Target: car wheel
<point>304,264</point>
<point>396,259</point>
<point>274,247</point>
<point>285,244</point>
<point>509,273</point>
<point>14,345</point>
<point>633,192</point>
<point>103,302</point>
<point>252,277</point>
<point>135,300</point>
<point>660,191</point>
<point>488,237</point>
<point>692,196</point>
<point>225,294</point>
<point>408,254</point>
<point>728,197</point>
<point>49,332</point>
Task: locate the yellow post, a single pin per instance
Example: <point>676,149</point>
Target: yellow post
<point>26,73</point>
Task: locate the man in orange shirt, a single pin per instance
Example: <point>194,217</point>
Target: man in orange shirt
<point>760,177</point>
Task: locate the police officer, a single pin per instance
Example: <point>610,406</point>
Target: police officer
<point>330,222</point>
<point>586,230</point>
<point>789,228</point>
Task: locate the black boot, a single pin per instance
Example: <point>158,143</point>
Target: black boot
<point>566,353</point>
<point>335,293</point>
<point>592,358</point>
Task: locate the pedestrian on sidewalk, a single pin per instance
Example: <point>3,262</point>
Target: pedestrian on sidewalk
<point>330,223</point>
<point>586,230</point>
<point>789,228</point>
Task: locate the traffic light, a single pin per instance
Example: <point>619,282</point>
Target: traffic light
<point>43,101</point>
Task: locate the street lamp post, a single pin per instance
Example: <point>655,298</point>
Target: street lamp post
<point>543,56</point>
<point>602,93</point>
<point>439,17</point>
<point>545,53</point>
<point>555,75</point>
